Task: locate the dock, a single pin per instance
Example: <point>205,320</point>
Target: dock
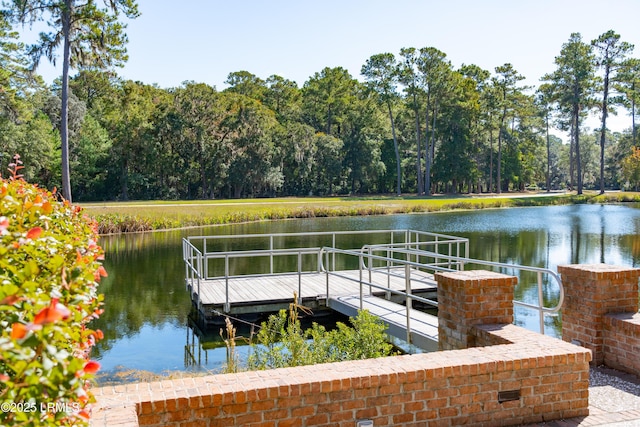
<point>388,272</point>
<point>250,296</point>
<point>253,294</point>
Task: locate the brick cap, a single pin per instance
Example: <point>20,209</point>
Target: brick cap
<point>633,318</point>
<point>599,269</point>
<point>473,275</point>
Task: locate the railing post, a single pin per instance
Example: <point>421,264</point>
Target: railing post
<point>360,269</point>
<point>227,307</point>
<point>206,260</point>
<point>271,254</point>
<point>389,263</point>
<point>540,302</point>
<point>185,258</point>
<point>326,269</point>
<point>409,301</point>
<point>370,268</point>
<point>299,277</point>
<point>199,262</point>
<point>333,245</point>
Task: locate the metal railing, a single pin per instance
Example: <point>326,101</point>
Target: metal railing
<point>402,253</point>
<point>400,260</point>
<point>202,254</point>
<point>364,256</point>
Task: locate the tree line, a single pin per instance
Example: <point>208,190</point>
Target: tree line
<point>412,124</point>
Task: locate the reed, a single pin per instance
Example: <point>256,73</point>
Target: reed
<point>147,216</point>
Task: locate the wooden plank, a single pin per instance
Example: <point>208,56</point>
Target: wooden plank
<point>257,289</point>
<point>424,327</point>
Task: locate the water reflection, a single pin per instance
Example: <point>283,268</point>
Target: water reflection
<point>146,306</point>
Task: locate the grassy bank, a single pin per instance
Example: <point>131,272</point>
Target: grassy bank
<point>121,217</point>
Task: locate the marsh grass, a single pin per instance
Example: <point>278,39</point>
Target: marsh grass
<point>118,217</point>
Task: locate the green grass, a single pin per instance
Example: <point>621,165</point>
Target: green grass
<point>123,217</point>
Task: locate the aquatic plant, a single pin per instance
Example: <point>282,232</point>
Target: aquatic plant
<point>281,341</point>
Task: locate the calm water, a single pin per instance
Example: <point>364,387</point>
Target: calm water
<point>146,306</point>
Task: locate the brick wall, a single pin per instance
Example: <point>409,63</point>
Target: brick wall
<point>468,298</point>
<point>435,389</point>
<point>591,292</point>
<point>512,376</point>
<point>622,342</point>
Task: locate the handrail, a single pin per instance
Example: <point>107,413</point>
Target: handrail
<point>192,272</point>
<point>459,262</point>
<point>197,261</point>
<point>361,254</point>
<point>462,261</point>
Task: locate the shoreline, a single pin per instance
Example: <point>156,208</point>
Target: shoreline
<point>136,217</point>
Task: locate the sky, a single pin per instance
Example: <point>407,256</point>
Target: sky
<point>205,40</point>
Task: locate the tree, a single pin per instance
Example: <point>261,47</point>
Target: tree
<point>480,79</point>
<point>24,129</point>
<point>380,73</point>
<point>631,168</point>
<point>435,72</point>
<point>543,102</point>
<point>130,126</point>
<point>284,98</point>
<point>505,82</point>
<point>454,166</point>
<point>247,84</point>
<point>573,84</point>
<point>326,98</point>
<point>408,76</point>
<point>629,84</point>
<point>328,164</point>
<point>14,76</point>
<point>611,53</point>
<point>90,36</point>
<point>298,153</point>
<point>250,129</point>
<point>200,112</point>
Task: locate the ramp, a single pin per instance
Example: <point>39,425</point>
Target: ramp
<point>424,327</point>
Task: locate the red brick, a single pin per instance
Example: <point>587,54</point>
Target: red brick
<point>262,405</point>
<point>207,412</point>
<point>402,419</point>
<point>289,423</point>
<point>151,419</point>
<point>318,419</point>
<point>181,415</point>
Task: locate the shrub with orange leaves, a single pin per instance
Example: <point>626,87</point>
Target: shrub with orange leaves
<point>50,267</point>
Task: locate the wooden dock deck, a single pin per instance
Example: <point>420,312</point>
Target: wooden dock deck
<point>270,293</point>
<point>351,266</point>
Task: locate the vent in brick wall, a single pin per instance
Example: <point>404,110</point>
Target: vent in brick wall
<point>506,396</point>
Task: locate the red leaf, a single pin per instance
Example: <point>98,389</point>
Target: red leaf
<point>10,300</point>
<point>99,273</point>
<point>91,367</point>
<point>4,224</point>
<point>18,331</point>
<point>102,271</point>
<point>84,414</point>
<point>52,314</point>
<point>34,233</point>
